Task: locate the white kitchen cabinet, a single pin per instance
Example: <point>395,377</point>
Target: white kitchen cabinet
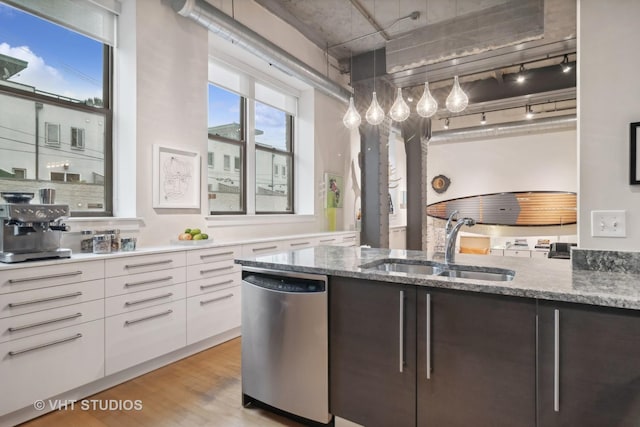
<point>144,263</point>
<point>348,240</point>
<point>524,253</point>
<point>141,335</point>
<point>206,255</point>
<point>497,252</point>
<point>398,238</point>
<point>35,277</point>
<point>263,248</point>
<point>213,313</point>
<point>210,284</point>
<point>212,269</point>
<point>142,281</point>
<point>41,366</point>
<point>328,240</point>
<point>135,301</point>
<point>540,254</point>
<point>295,244</point>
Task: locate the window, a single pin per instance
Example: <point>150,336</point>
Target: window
<point>77,138</point>
<point>57,129</point>
<point>270,148</point>
<point>210,159</point>
<point>52,134</point>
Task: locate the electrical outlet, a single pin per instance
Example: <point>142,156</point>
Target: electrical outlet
<point>608,224</point>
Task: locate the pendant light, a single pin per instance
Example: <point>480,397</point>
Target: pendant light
<point>351,118</point>
<point>375,113</point>
<point>457,100</point>
<point>399,110</point>
<point>427,106</point>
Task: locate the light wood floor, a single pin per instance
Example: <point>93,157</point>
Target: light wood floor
<point>201,390</point>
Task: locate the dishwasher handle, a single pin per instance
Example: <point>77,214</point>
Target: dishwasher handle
<point>288,284</point>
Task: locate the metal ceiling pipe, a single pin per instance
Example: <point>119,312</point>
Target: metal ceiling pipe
<point>505,129</point>
<point>228,28</point>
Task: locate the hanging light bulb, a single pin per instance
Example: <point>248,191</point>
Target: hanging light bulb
<point>375,113</point>
<point>351,118</point>
<point>457,99</point>
<point>399,110</point>
<point>446,123</point>
<point>483,119</point>
<point>427,106</point>
<point>529,112</point>
<point>521,71</point>
<point>565,64</point>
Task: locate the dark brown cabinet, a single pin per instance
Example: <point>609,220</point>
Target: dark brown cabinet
<point>372,337</point>
<point>476,360</point>
<point>589,366</point>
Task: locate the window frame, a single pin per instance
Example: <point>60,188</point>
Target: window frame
<point>48,126</point>
<point>77,135</point>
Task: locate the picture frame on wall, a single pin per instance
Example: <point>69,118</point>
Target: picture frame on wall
<point>634,154</point>
<point>176,178</point>
<point>334,185</point>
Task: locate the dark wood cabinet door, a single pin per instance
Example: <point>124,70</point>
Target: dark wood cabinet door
<point>597,368</point>
<point>369,335</point>
<point>481,364</point>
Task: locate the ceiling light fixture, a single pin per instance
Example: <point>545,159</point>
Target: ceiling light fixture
<point>427,106</point>
<point>351,118</point>
<point>446,123</point>
<point>521,78</point>
<point>374,114</point>
<point>399,110</point>
<point>565,64</point>
<point>457,100</point>
<point>483,119</point>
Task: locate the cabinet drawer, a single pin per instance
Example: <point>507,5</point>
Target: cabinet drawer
<point>133,338</point>
<point>348,240</point>
<point>32,277</point>
<point>212,314</point>
<point>329,240</point>
<point>497,252</point>
<point>201,256</point>
<point>143,263</point>
<point>13,328</point>
<point>300,243</point>
<point>519,253</point>
<point>203,286</point>
<point>539,254</point>
<point>137,300</point>
<point>212,269</point>
<point>54,296</point>
<point>143,281</point>
<point>43,365</point>
<point>263,248</point>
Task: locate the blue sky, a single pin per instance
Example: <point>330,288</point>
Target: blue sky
<point>60,61</point>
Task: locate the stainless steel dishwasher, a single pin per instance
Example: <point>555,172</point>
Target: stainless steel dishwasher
<point>285,342</point>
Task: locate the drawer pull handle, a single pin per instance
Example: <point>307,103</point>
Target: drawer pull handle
<point>46,322</point>
<point>401,332</point>
<point>37,301</point>
<point>48,276</point>
<point>216,299</point>
<point>148,264</point>
<point>146,282</point>
<point>213,270</point>
<point>216,255</point>
<point>49,344</point>
<point>428,350</point>
<point>226,282</point>
<point>556,361</point>
<point>327,240</point>
<point>142,319</point>
<point>142,301</point>
<point>266,248</point>
<point>300,244</point>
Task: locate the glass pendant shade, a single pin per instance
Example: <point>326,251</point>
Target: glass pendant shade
<point>375,113</point>
<point>399,110</point>
<point>457,99</point>
<point>351,118</point>
<point>427,106</point>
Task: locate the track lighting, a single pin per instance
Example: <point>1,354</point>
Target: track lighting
<point>446,123</point>
<point>457,100</point>
<point>483,119</point>
<point>528,112</point>
<point>565,64</point>
<point>521,78</point>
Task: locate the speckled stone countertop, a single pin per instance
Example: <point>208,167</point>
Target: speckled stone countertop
<point>546,279</point>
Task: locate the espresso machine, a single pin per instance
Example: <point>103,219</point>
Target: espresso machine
<point>31,231</point>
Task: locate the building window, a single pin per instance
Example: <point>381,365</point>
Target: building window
<point>52,134</point>
<point>227,162</point>
<point>236,163</point>
<point>210,159</point>
<point>77,138</point>
<point>58,129</point>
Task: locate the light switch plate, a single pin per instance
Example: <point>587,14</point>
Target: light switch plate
<point>608,224</point>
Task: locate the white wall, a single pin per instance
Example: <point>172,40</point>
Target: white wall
<point>168,58</point>
<point>535,162</point>
<point>608,100</point>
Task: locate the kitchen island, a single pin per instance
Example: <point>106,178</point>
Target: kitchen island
<point>553,346</point>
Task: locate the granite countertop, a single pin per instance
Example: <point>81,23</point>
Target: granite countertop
<point>546,279</point>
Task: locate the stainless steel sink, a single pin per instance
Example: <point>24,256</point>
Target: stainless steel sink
<point>406,266</point>
<point>430,268</point>
<point>479,273</point>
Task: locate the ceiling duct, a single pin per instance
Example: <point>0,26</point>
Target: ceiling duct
<point>548,124</point>
<point>228,28</point>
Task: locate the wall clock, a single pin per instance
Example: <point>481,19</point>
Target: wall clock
<point>440,183</point>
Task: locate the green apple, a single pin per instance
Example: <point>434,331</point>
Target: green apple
<point>194,231</point>
<point>198,236</point>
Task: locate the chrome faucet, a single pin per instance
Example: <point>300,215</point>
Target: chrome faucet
<point>451,233</point>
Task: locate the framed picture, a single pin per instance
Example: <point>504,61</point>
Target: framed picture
<point>634,154</point>
<point>176,178</point>
<point>335,188</point>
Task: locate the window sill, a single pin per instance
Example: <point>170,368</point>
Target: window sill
<point>89,223</point>
<point>236,220</point>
